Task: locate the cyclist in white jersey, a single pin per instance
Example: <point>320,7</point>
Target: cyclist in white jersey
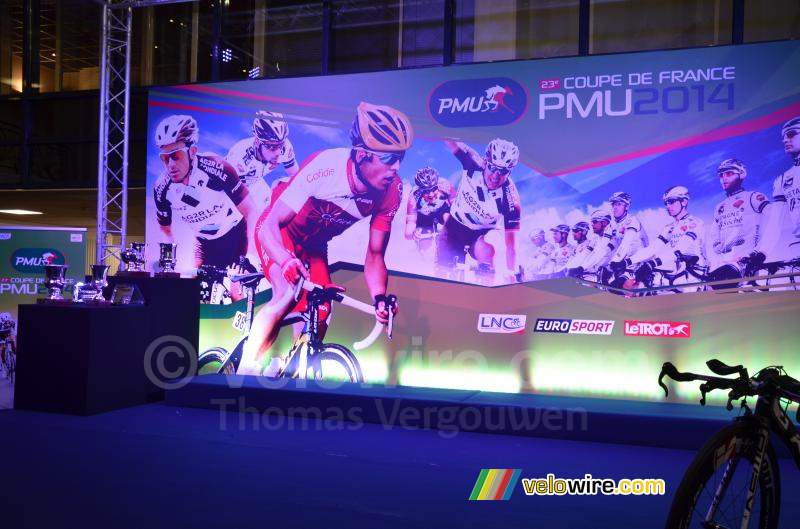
<point>257,156</point>
<point>626,230</point>
<point>681,237</point>
<point>781,240</point>
<point>539,262</point>
<point>486,199</point>
<point>737,218</point>
<point>562,250</point>
<point>204,192</point>
<point>602,245</point>
<point>428,207</point>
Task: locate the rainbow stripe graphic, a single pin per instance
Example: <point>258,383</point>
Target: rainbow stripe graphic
<point>495,484</point>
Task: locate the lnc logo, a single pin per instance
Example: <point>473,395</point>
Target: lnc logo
<point>478,102</point>
<point>502,323</point>
<point>33,260</point>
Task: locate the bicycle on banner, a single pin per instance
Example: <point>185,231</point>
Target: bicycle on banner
<point>308,357</point>
<point>734,480</point>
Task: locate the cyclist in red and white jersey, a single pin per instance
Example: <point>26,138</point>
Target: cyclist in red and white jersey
<point>257,156</point>
<point>332,191</point>
<point>486,199</point>
<point>204,191</point>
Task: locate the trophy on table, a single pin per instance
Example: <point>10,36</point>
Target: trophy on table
<point>91,289</point>
<point>54,281</point>
<point>167,260</point>
<point>133,257</point>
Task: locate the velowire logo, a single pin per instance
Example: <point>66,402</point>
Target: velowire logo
<point>478,102</point>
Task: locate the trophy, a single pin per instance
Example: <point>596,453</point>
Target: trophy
<point>54,281</point>
<point>167,260</point>
<point>98,280</point>
<point>133,258</point>
<point>83,292</point>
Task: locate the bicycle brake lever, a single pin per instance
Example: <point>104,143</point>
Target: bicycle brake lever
<point>298,289</point>
<point>391,301</point>
<point>703,391</point>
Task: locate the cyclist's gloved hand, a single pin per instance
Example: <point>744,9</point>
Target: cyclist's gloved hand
<point>754,260</point>
<point>645,271</point>
<point>382,303</point>
<point>619,266</point>
<point>293,269</point>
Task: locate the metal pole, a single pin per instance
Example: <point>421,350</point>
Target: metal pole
<point>102,177</point>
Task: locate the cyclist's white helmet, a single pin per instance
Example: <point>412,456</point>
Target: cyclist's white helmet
<point>270,127</point>
<point>581,226</point>
<point>676,192</point>
<point>600,214</point>
<point>381,128</point>
<point>732,164</point>
<point>536,233</point>
<point>792,124</point>
<point>620,196</point>
<point>176,128</point>
<point>427,178</point>
<point>562,228</point>
<point>502,153</point>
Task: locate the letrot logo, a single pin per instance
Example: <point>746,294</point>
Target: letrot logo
<point>659,329</point>
<point>478,102</point>
<point>502,323</point>
<point>32,260</point>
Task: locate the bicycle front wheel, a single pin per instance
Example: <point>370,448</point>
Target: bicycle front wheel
<point>715,486</point>
<point>211,361</point>
<point>334,362</point>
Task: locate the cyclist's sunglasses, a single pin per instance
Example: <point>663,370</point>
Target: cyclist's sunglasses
<point>502,171</point>
<point>670,201</point>
<point>271,146</point>
<point>181,153</point>
<point>791,133</point>
<point>389,158</point>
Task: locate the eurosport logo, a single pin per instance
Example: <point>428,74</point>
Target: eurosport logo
<point>659,329</point>
<point>574,326</point>
<point>478,102</point>
<point>502,323</point>
<point>33,260</point>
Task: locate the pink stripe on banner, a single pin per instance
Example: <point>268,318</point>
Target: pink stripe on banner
<point>233,93</point>
<point>720,134</point>
<point>187,107</point>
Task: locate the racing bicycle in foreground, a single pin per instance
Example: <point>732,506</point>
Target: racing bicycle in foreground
<point>734,481</point>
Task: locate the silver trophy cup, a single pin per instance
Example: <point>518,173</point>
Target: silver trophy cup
<point>99,279</point>
<point>54,280</point>
<point>167,259</point>
<point>138,248</point>
<point>129,257</point>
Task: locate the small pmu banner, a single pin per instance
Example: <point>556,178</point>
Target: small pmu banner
<point>24,251</point>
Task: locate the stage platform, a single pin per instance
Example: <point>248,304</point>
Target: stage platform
<point>336,404</point>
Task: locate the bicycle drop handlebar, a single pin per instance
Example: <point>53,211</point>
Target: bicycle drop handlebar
<point>304,284</point>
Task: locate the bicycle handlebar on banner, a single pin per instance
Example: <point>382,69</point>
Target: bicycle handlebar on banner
<point>360,306</point>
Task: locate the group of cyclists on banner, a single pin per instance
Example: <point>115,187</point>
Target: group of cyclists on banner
<point>748,230</point>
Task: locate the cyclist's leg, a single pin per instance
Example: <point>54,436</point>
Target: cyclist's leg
<point>266,322</point>
<point>448,247</point>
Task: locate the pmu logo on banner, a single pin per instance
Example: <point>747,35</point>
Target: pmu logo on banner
<point>659,329</point>
<point>502,323</point>
<point>33,260</point>
<point>574,326</point>
<point>478,102</point>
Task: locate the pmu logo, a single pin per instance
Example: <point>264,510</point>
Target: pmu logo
<point>478,102</point>
<point>659,329</point>
<point>502,323</point>
<point>32,260</point>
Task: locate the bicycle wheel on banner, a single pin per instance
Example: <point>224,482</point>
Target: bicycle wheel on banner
<point>334,362</point>
<point>210,361</point>
<point>730,451</point>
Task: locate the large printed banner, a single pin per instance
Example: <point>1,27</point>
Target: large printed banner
<point>25,251</point>
<point>635,170</point>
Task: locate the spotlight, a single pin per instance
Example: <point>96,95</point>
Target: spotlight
<point>227,55</point>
